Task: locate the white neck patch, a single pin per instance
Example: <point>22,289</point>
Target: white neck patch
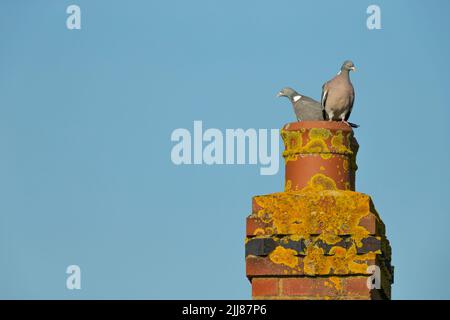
<point>296,98</point>
<point>339,72</point>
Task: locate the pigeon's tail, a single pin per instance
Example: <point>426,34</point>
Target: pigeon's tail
<point>353,125</point>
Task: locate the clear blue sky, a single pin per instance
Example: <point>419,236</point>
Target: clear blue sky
<point>86,117</point>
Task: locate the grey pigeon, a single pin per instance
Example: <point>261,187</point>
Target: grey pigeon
<point>338,95</point>
<point>305,108</point>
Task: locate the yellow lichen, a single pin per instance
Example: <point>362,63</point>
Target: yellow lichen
<point>345,165</point>
<point>340,261</point>
<point>328,212</point>
<point>316,146</point>
<point>268,230</point>
<point>320,142</point>
<point>336,281</point>
<point>292,144</point>
<point>319,133</point>
<point>320,182</point>
<point>258,232</point>
<point>326,156</point>
<point>345,261</point>
<point>284,256</point>
<point>295,237</point>
<point>314,262</point>
<point>288,186</point>
<point>337,143</point>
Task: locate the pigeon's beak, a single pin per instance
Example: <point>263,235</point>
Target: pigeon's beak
<point>279,94</point>
<point>353,68</point>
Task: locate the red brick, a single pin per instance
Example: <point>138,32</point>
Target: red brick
<point>357,286</point>
<point>253,224</point>
<point>255,207</point>
<point>372,223</point>
<point>305,286</point>
<point>264,287</point>
<point>263,266</point>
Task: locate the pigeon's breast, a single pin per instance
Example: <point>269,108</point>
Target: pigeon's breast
<point>338,102</point>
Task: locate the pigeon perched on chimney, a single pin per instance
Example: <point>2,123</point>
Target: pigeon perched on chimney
<point>305,108</point>
<point>338,95</point>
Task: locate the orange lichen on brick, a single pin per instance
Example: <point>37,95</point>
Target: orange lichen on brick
<point>337,143</point>
<point>345,165</point>
<point>288,186</point>
<point>328,213</point>
<point>317,142</point>
<point>320,141</point>
<point>319,182</point>
<point>315,146</point>
<point>337,283</point>
<point>319,133</point>
<point>292,141</point>
<point>284,256</point>
<point>259,231</point>
<point>340,261</point>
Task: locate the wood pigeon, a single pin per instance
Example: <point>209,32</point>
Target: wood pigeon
<point>305,108</point>
<point>338,95</point>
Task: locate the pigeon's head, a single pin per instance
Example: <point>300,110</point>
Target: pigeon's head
<point>287,92</point>
<point>348,66</point>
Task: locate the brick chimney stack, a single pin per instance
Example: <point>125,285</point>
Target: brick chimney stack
<point>319,239</point>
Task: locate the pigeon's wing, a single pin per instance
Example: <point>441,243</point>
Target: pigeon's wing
<point>308,109</point>
<point>310,100</point>
<point>352,100</point>
<point>313,110</point>
<point>297,111</point>
<point>323,99</point>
